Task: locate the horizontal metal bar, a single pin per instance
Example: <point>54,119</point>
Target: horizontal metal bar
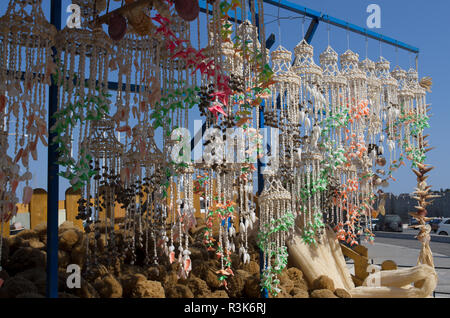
<point>370,34</point>
<point>113,86</point>
<point>293,7</point>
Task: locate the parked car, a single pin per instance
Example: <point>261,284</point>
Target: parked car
<point>389,223</point>
<point>374,223</point>
<point>444,227</point>
<point>435,224</point>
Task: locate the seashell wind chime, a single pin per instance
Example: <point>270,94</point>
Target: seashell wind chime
<point>308,177</point>
<point>26,67</point>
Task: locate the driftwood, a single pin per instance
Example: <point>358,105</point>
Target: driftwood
<point>397,283</point>
<point>326,258</point>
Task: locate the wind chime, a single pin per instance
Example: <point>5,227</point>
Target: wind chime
<point>82,75</point>
<point>26,68</point>
<point>389,103</point>
<point>223,170</point>
<point>334,86</point>
<point>406,105</point>
<point>144,154</point>
<point>137,62</point>
<point>308,175</point>
<point>277,222</point>
<point>354,178</point>
<point>106,152</point>
<point>82,71</point>
<point>374,98</point>
<point>284,101</point>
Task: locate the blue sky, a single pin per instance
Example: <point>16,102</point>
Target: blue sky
<point>418,23</point>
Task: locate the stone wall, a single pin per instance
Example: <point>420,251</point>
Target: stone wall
<point>403,203</point>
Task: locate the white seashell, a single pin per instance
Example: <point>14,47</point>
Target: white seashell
<point>382,138</point>
<point>246,258</point>
<point>391,146</point>
<point>299,154</point>
<point>317,130</point>
<point>241,251</point>
<point>302,116</point>
<point>253,217</point>
<point>186,252</point>
<point>307,123</point>
<point>242,227</point>
<point>207,156</point>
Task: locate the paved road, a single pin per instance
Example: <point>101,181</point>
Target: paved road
<point>436,247</point>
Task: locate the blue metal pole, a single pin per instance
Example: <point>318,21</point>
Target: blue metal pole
<point>264,292</point>
<point>311,30</point>
<point>52,176</point>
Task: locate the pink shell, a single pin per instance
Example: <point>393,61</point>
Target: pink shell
<point>187,9</point>
<point>27,194</point>
<point>187,264</point>
<point>14,185</point>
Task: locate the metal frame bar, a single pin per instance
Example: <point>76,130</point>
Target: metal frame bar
<point>311,30</point>
<point>52,174</point>
<point>293,7</point>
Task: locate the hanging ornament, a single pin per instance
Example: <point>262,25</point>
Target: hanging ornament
<point>187,9</point>
<point>277,222</point>
<point>117,27</point>
<point>26,67</point>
